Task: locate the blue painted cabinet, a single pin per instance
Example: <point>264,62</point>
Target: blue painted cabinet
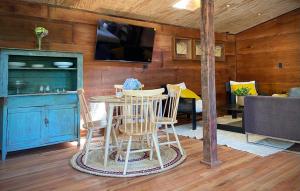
<point>35,126</point>
<point>31,117</point>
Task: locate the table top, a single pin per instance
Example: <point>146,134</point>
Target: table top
<point>112,99</point>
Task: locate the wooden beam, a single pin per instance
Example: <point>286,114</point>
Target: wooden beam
<point>210,155</point>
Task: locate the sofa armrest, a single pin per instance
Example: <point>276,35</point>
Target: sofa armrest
<point>272,116</point>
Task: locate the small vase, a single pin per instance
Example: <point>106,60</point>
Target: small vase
<point>39,43</point>
<point>240,100</point>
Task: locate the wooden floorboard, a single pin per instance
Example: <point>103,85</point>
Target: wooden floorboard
<point>48,168</point>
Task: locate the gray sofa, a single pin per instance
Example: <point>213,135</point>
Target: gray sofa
<point>273,116</point>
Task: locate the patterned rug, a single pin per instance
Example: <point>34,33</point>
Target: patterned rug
<point>139,163</point>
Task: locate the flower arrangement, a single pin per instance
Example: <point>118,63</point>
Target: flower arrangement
<point>242,91</point>
<point>132,84</point>
<point>40,33</point>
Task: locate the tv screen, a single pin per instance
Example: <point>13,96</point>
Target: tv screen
<point>124,42</point>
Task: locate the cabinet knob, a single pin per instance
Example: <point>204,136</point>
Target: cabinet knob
<point>46,121</point>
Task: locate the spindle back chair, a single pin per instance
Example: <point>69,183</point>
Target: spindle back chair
<point>139,116</point>
<point>169,116</point>
<point>93,137</point>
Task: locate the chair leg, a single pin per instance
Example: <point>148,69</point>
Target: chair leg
<point>148,140</point>
<point>151,151</point>
<point>247,138</point>
<point>78,142</point>
<point>156,145</point>
<point>114,137</point>
<point>168,137</point>
<point>142,140</point>
<point>119,151</point>
<point>194,120</point>
<point>127,155</point>
<point>177,139</point>
<point>87,145</point>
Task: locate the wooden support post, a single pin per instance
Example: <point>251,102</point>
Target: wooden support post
<point>210,155</point>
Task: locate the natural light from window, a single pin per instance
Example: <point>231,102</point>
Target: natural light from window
<point>190,5</point>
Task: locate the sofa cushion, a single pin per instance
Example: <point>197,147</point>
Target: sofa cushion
<point>294,92</point>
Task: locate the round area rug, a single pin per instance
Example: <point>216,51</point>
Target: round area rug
<point>139,164</point>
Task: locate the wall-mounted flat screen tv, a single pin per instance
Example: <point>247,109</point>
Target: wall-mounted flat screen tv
<point>124,42</point>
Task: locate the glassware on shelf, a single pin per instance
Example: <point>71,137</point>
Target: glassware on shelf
<point>19,84</point>
<point>61,90</point>
<point>41,89</point>
<point>47,89</point>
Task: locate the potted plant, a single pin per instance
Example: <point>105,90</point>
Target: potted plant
<point>240,95</point>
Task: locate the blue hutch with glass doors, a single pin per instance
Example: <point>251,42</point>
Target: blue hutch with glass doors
<point>38,99</point>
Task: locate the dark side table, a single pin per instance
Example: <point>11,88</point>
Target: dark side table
<point>234,110</point>
<point>188,106</point>
<point>234,126</point>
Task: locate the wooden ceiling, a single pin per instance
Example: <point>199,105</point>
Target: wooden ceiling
<point>231,16</point>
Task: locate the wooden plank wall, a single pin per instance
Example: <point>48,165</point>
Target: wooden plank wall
<point>261,48</point>
<point>75,30</point>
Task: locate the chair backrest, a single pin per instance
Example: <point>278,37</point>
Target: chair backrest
<point>84,110</point>
<point>171,104</point>
<point>119,87</point>
<point>140,110</point>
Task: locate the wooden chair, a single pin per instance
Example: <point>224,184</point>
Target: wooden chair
<point>93,136</point>
<point>118,110</point>
<point>118,88</point>
<point>170,114</point>
<point>139,112</point>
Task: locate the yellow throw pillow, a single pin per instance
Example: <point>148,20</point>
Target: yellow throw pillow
<point>187,93</point>
<point>249,85</point>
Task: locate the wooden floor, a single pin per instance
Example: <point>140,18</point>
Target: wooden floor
<point>49,169</point>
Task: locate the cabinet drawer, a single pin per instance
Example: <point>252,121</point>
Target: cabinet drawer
<point>41,100</point>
